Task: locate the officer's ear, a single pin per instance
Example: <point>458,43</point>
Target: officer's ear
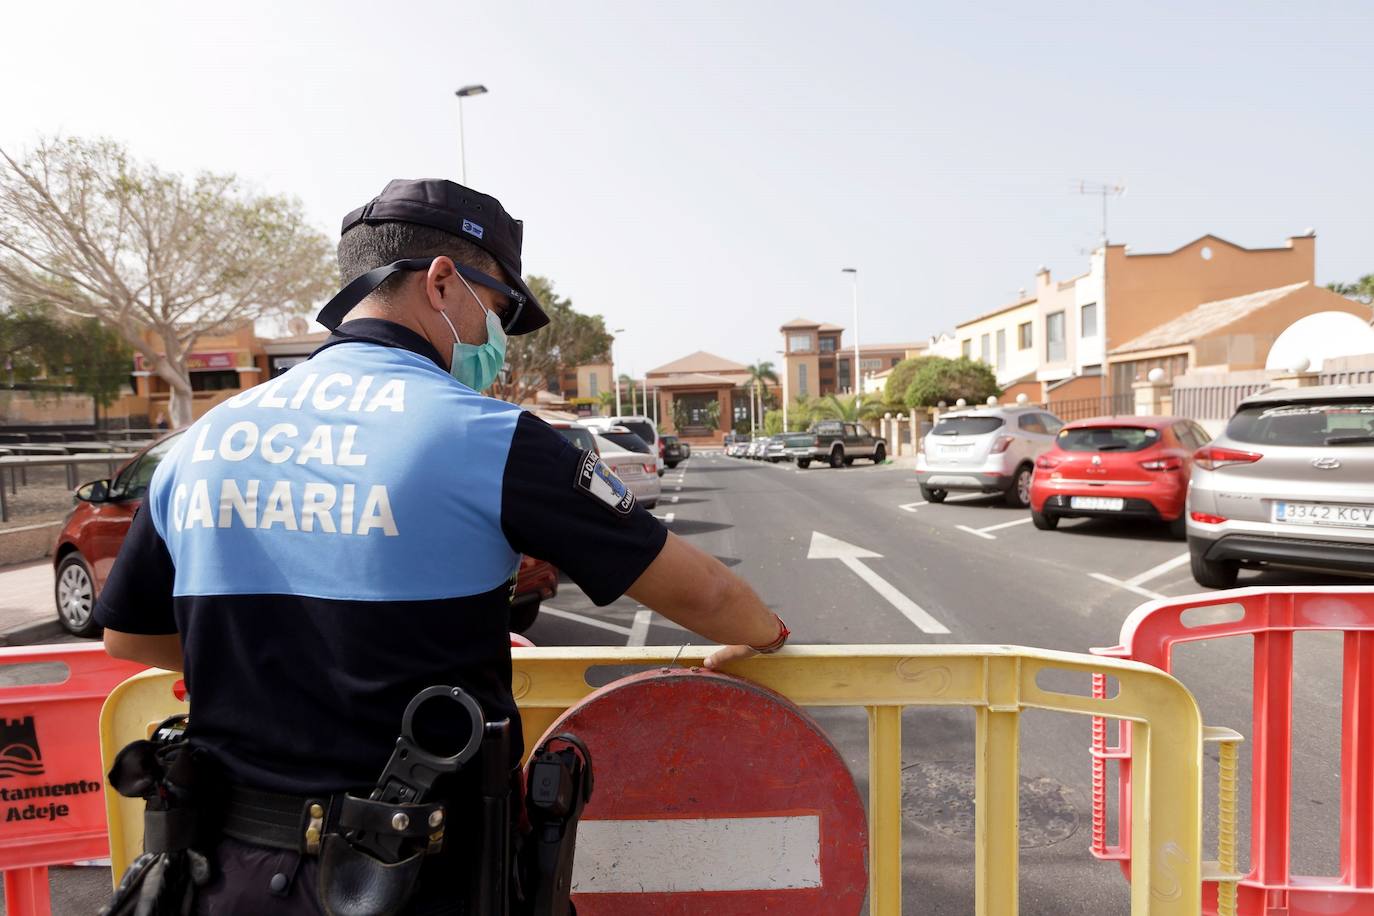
<point>441,279</point>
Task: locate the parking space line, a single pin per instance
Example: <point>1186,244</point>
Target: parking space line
<point>673,499</point>
<point>983,532</point>
<point>639,632</point>
<point>1156,571</point>
<point>589,621</point>
<point>666,519</point>
<point>1128,586</point>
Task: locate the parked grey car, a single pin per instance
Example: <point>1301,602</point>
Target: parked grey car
<point>987,450</point>
<point>1289,483</point>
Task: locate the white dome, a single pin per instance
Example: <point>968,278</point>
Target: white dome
<point>1317,338</point>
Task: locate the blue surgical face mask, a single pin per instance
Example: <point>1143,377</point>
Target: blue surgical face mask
<point>476,365</point>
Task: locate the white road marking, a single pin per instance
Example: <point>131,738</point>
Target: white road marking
<point>678,489</point>
<point>824,547</point>
<point>687,855</point>
<point>911,507</point>
<point>983,532</point>
<point>1128,586</point>
<point>1161,569</point>
<point>673,499</point>
<point>589,621</point>
<point>639,631</point>
<point>666,519</point>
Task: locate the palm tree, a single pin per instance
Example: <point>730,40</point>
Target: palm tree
<point>760,374</point>
<point>852,408</point>
<point>607,399</point>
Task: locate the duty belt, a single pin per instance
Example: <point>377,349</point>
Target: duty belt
<point>300,822</point>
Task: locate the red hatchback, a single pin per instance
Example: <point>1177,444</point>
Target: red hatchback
<point>1117,467</point>
<point>89,542</point>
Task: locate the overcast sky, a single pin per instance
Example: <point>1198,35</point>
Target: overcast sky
<point>700,172</point>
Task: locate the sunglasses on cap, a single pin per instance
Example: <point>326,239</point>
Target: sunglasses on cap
<point>345,299</point>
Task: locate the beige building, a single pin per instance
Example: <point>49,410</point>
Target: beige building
<point>688,388</point>
<point>1227,335</point>
<point>818,362</point>
<point>1004,339</point>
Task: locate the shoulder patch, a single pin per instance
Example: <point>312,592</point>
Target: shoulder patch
<point>596,481</point>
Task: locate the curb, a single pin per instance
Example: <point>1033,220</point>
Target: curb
<point>31,633</point>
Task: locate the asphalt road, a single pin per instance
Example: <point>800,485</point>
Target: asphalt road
<point>988,576</point>
<point>984,573</point>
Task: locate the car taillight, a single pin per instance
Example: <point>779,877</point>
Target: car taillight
<point>1171,463</point>
<point>1046,462</point>
<point>651,468</point>
<point>1002,444</point>
<point>1212,457</point>
<point>1203,518</point>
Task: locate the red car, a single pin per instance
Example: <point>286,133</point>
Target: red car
<point>90,540</point>
<point>1117,467</point>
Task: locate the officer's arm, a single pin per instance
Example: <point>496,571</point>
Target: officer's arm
<point>158,651</point>
<point>694,589</point>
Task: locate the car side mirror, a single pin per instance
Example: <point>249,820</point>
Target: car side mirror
<point>97,491</point>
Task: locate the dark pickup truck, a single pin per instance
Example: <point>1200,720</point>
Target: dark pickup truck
<point>838,443</point>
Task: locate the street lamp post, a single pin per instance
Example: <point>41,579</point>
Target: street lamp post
<point>854,375</point>
<point>465,92</point>
<point>615,379</point>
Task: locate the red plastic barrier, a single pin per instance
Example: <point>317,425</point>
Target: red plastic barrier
<point>1271,617</point>
<point>52,806</point>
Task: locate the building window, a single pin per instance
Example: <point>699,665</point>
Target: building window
<point>966,349</point>
<point>843,371</point>
<point>871,365</point>
<point>799,343</point>
<point>1089,325</point>
<point>1055,351</point>
<point>985,349</point>
<point>1024,336</point>
<point>1001,347</point>
<point>801,380</point>
<point>214,381</point>
<point>894,362</point>
<point>827,345</point>
<point>592,382</point>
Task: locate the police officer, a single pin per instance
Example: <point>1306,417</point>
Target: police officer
<point>317,549</point>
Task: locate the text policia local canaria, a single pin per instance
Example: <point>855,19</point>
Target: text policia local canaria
<point>294,505</point>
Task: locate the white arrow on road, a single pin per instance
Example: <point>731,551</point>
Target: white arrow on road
<point>824,547</point>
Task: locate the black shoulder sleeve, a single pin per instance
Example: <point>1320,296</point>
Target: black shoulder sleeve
<point>137,597</point>
<point>557,504</point>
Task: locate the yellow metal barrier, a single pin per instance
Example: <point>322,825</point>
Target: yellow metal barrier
<point>997,681</point>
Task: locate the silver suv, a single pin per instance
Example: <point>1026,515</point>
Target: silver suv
<point>1290,483</point>
<point>986,449</point>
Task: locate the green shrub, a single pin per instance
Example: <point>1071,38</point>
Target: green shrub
<point>939,379</point>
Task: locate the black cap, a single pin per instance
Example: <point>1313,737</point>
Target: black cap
<point>471,215</point>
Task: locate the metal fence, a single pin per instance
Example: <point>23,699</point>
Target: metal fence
<point>1117,405</point>
<point>1212,402</point>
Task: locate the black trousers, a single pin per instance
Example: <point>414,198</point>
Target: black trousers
<point>258,881</point>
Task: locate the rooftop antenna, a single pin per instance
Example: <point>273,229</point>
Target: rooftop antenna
<point>1105,190</point>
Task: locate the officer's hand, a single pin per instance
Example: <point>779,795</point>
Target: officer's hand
<point>728,654</point>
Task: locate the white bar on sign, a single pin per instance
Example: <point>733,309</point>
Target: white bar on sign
<point>698,854</point>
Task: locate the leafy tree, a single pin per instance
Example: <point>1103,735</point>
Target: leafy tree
<point>772,422</point>
<point>713,415</point>
<point>607,399</point>
<point>941,379</point>
<point>1362,289</point>
<point>900,380</point>
<point>569,339</point>
<point>82,356</point>
<point>151,255</point>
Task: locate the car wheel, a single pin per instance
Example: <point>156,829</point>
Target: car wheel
<point>933,496</point>
<point>1018,494</point>
<point>672,464</point>
<point>1211,573</point>
<point>879,454</point>
<point>1178,528</point>
<point>803,463</point>
<point>848,462</point>
<point>1044,521</point>
<point>74,591</point>
<point>650,504</point>
<point>523,615</point>
<point>837,458</point>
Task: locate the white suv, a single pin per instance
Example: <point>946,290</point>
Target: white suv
<point>987,450</point>
<point>641,426</point>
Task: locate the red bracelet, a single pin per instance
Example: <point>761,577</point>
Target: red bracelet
<point>778,643</point>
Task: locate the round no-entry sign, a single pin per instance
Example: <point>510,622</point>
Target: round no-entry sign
<point>713,796</point>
